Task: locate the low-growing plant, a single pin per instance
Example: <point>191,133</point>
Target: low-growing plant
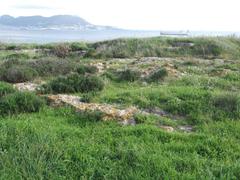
<point>232,77</point>
<point>9,63</point>
<point>83,69</point>
<point>5,89</point>
<point>158,75</point>
<point>52,67</point>
<point>18,74</point>
<point>11,47</point>
<point>61,50</point>
<point>87,97</point>
<point>17,56</point>
<point>78,46</point>
<point>128,75</point>
<point>226,106</point>
<point>90,116</point>
<point>20,102</point>
<point>74,83</point>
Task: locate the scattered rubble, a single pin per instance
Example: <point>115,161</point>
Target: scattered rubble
<point>186,128</point>
<point>26,86</point>
<point>100,66</point>
<point>160,112</point>
<point>167,128</point>
<point>110,112</point>
<point>172,71</point>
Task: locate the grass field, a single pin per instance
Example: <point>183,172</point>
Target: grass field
<point>194,82</point>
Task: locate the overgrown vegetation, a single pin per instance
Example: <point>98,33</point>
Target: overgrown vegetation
<point>177,82</point>
<point>82,69</point>
<point>166,47</point>
<point>18,74</point>
<point>158,75</point>
<point>5,89</point>
<point>74,83</point>
<point>128,75</point>
<point>20,102</point>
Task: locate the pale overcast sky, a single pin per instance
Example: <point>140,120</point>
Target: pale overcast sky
<point>222,15</point>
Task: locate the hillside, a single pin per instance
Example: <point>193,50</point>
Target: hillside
<point>152,108</point>
<point>53,22</point>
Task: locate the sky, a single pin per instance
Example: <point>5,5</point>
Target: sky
<point>198,15</point>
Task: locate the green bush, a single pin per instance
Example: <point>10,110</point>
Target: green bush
<point>61,50</point>
<point>88,97</point>
<point>90,116</point>
<point>11,47</point>
<point>166,47</point>
<point>78,46</point>
<point>10,63</point>
<point>74,83</point>
<point>52,67</point>
<point>15,71</point>
<point>17,56</point>
<point>5,89</point>
<point>226,106</point>
<point>82,69</point>
<point>20,102</point>
<point>158,75</point>
<point>232,77</point>
<point>18,74</point>
<point>128,75</point>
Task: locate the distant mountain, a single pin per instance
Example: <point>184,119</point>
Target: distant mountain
<point>60,22</point>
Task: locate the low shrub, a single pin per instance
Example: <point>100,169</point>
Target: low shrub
<point>11,47</point>
<point>18,74</point>
<point>78,46</point>
<point>158,75</point>
<point>61,50</point>
<point>17,56</point>
<point>82,69</point>
<point>128,75</point>
<point>5,89</point>
<point>91,83</point>
<point>232,77</point>
<point>52,67</point>
<point>226,106</point>
<point>74,83</point>
<point>84,118</point>
<point>10,63</point>
<point>90,116</point>
<point>88,97</point>
<point>20,102</point>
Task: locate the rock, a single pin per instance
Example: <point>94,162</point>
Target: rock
<point>167,128</point>
<point>186,128</point>
<point>100,66</point>
<point>160,112</point>
<point>156,111</point>
<point>26,86</point>
<point>172,71</point>
<point>128,122</point>
<point>110,112</point>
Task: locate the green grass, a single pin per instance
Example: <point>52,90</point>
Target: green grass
<point>167,47</point>
<point>52,145</point>
<point>201,89</point>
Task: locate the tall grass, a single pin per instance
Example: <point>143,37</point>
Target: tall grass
<point>53,145</point>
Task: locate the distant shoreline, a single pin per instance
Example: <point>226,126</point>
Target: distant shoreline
<point>51,36</point>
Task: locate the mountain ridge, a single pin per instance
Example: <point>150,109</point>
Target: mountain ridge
<point>52,22</point>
